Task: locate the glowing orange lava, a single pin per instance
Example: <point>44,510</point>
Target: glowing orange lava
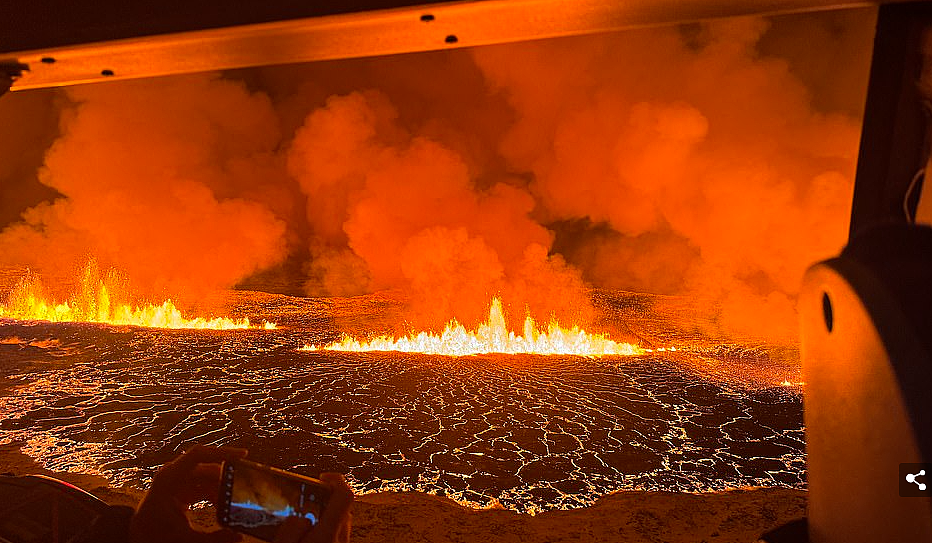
<point>492,336</point>
<point>94,301</point>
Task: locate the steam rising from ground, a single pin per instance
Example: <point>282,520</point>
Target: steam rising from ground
<point>160,179</point>
<point>675,160</point>
<point>409,215</point>
<point>713,173</point>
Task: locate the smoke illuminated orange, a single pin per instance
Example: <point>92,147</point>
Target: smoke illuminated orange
<point>94,301</point>
<point>493,336</point>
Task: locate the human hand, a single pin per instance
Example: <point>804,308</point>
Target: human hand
<point>190,478</point>
<point>335,522</point>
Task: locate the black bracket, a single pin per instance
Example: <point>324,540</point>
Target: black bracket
<point>9,71</point>
<point>896,128</point>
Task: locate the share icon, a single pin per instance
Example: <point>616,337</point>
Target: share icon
<point>911,478</point>
<point>914,482</point>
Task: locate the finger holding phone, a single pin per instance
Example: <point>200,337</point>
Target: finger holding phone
<point>190,478</point>
<point>300,510</point>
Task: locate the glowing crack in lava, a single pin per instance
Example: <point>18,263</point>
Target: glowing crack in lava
<point>492,336</point>
<point>94,301</point>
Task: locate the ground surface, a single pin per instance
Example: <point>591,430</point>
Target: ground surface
<point>531,432</point>
<point>623,517</point>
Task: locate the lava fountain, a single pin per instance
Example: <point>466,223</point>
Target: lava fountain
<point>492,336</point>
<point>99,302</point>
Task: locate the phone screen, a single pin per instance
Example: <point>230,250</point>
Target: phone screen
<point>256,499</point>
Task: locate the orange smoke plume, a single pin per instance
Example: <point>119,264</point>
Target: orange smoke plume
<point>712,160</point>
<point>406,212</point>
<point>160,179</point>
<point>692,163</point>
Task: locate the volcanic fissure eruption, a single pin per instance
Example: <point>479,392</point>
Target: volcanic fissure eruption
<point>492,336</point>
<point>102,300</point>
<point>695,161</point>
<point>538,224</point>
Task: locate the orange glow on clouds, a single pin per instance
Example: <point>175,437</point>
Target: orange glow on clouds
<point>493,336</point>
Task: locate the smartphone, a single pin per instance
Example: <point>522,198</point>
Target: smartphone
<point>255,499</point>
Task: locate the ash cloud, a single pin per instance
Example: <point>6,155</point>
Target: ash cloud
<point>162,179</point>
<point>705,163</point>
<point>395,210</point>
<point>714,160</point>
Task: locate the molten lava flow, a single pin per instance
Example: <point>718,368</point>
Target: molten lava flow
<point>492,336</point>
<point>95,302</point>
